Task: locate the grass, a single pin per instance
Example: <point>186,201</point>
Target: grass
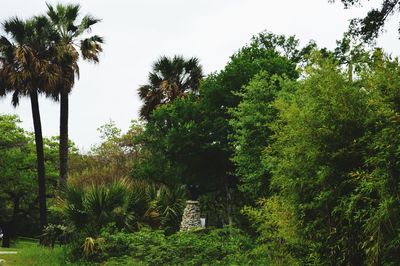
<point>29,253</point>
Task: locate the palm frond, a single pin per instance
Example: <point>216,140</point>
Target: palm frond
<point>86,23</point>
<point>6,49</point>
<point>91,48</point>
<point>64,20</point>
<point>16,28</point>
<point>70,11</point>
<point>52,14</point>
<point>170,78</point>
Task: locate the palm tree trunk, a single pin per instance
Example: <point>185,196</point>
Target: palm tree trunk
<point>40,158</point>
<point>63,140</point>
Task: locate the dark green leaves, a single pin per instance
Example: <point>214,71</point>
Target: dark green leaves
<point>91,48</point>
<point>170,79</point>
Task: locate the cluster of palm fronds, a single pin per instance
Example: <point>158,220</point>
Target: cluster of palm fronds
<point>125,204</point>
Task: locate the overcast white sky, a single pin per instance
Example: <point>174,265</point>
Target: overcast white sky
<point>138,32</point>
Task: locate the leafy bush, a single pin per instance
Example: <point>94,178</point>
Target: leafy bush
<point>124,260</point>
<point>197,248</point>
<point>227,246</point>
<point>279,239</point>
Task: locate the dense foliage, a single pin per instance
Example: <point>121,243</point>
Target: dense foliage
<point>326,154</point>
<point>225,246</point>
<point>250,123</point>
<point>110,160</point>
<point>188,140</point>
<point>19,209</point>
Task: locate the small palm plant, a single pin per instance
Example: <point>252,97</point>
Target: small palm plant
<point>170,204</point>
<point>127,204</point>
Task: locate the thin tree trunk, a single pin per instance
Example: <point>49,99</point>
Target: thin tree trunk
<point>14,221</point>
<point>6,236</point>
<point>10,228</point>
<point>63,149</point>
<point>229,203</point>
<point>40,158</point>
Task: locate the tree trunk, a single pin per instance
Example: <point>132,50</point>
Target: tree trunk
<point>40,158</point>
<point>6,236</point>
<point>14,222</point>
<point>229,203</point>
<point>63,149</point>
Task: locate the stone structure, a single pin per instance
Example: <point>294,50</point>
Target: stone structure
<point>191,216</point>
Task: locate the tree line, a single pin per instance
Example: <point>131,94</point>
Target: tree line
<point>304,137</point>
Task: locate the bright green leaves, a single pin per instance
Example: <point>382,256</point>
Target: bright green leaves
<point>316,145</point>
<point>334,156</point>
<point>251,121</point>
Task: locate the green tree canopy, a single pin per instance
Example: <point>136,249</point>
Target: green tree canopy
<point>369,27</point>
<point>18,197</point>
<point>334,158</point>
<point>112,159</point>
<point>187,140</point>
<point>250,122</point>
<point>317,144</point>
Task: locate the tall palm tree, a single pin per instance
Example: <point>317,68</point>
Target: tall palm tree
<point>70,46</point>
<point>26,70</point>
<point>170,78</point>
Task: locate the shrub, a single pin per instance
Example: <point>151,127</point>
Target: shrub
<point>136,244</point>
<point>279,241</point>
<point>124,260</point>
<point>227,246</point>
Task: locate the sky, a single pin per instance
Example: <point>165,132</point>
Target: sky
<point>138,32</point>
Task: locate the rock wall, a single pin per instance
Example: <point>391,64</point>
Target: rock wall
<point>191,216</point>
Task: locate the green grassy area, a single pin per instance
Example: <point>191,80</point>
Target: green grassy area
<point>31,254</point>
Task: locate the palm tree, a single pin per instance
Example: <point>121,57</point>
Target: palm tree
<point>170,79</point>
<point>26,70</point>
<point>70,46</point>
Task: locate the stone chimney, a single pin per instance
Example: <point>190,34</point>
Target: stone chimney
<point>191,216</point>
